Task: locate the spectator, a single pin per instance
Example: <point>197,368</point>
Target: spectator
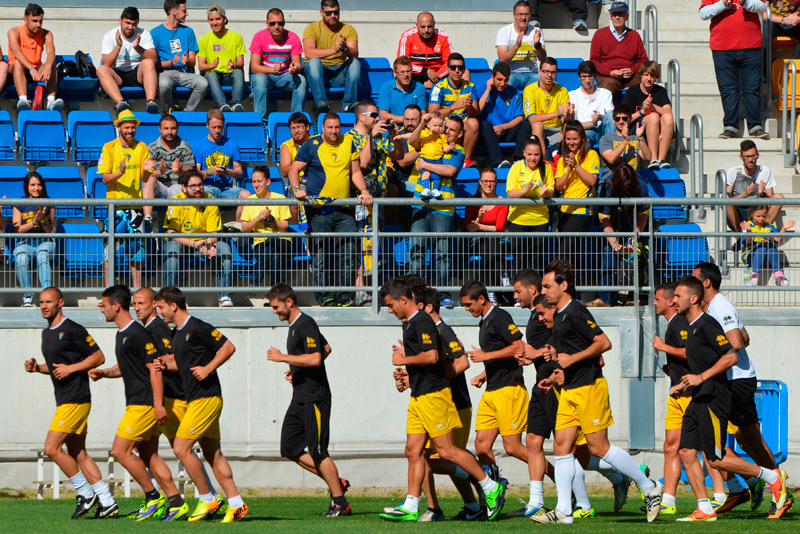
<point>396,95</point>
<point>331,49</point>
<point>276,62</point>
<point>428,49</point>
<point>736,43</point>
<point>26,43</point>
<point>219,162</point>
<point>750,180</point>
<point>299,128</point>
<point>129,60</point>
<point>501,116</point>
<point>577,8</point>
<point>545,103</point>
<point>622,146</point>
<point>592,105</point>
<point>126,166</point>
<point>576,176</point>
<point>39,220</point>
<point>177,53</point>
<point>651,106</point>
<point>759,252</point>
<point>404,167</point>
<point>521,44</point>
<point>431,143</point>
<point>271,253</point>
<point>172,157</point>
<point>457,97</point>
<point>3,71</point>
<point>220,57</point>
<point>618,52</point>
<point>785,17</point>
<point>331,163</point>
<point>184,219</point>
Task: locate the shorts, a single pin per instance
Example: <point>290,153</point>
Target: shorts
<point>542,412</point>
<point>167,191</point>
<point>433,414</point>
<point>71,418</point>
<point>138,423</point>
<point>743,404</point>
<point>676,408</point>
<point>704,426</point>
<point>176,409</point>
<point>586,407</point>
<point>306,427</point>
<point>460,435</point>
<point>129,78</point>
<point>505,409</point>
<point>201,419</point>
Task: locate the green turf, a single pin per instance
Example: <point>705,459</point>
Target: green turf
<point>299,515</point>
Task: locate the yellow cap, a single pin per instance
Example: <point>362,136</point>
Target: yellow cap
<point>126,116</point>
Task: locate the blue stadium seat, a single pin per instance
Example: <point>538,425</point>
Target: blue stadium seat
<point>147,131</point>
<point>88,132</point>
<point>72,89</point>
<point>568,72</point>
<point>677,256</point>
<point>43,136</point>
<point>8,141</point>
<point>275,184</point>
<point>664,188</point>
<point>242,258</point>
<point>772,405</point>
<point>300,255</point>
<point>12,180</point>
<point>249,132</point>
<point>96,189</point>
<point>191,125</point>
<point>479,71</point>
<point>64,182</point>
<point>81,256</point>
<point>375,71</point>
<point>278,130</point>
<point>348,121</point>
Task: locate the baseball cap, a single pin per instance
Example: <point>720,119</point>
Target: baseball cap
<point>616,7</point>
<point>216,8</point>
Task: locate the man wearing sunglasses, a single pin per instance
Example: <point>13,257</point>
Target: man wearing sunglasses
<point>624,145</point>
<point>332,56</point>
<point>456,96</point>
<point>275,61</point>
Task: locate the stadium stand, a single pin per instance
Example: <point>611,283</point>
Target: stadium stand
<point>191,125</point>
<point>250,133</point>
<point>43,136</point>
<point>64,182</point>
<point>8,138</point>
<point>88,132</point>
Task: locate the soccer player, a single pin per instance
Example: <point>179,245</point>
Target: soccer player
<point>504,405</point>
<point>431,412</point>
<point>577,344</point>
<point>710,354</point>
<point>674,346</point>
<point>200,349</point>
<point>144,405</point>
<point>69,352</point>
<point>306,426</point>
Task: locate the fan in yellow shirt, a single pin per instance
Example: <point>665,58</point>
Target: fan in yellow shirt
<point>576,176</point>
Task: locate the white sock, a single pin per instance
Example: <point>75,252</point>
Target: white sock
<point>720,498</point>
<point>101,490</point>
<point>81,485</point>
<point>24,98</point>
<point>488,485</point>
<point>768,475</point>
<point>752,481</point>
<point>668,500</point>
<point>622,462</point>
<point>565,473</point>
<point>536,498</point>
<point>235,502</point>
<point>411,503</point>
<point>734,486</point>
<point>599,465</point>
<point>50,99</point>
<point>461,474</point>
<point>206,497</point>
<point>579,488</point>
<point>704,505</point>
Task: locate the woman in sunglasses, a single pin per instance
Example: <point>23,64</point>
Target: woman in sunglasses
<point>624,146</point>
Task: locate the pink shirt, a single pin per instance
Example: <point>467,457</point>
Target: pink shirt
<point>273,53</point>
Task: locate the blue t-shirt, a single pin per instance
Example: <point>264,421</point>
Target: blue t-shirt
<point>179,41</point>
<point>395,100</point>
<point>222,154</point>
<point>502,108</point>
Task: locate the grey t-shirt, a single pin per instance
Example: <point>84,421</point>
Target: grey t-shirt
<point>739,180</point>
<point>182,152</point>
<point>629,155</point>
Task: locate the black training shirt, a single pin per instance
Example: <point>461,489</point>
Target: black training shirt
<point>705,345</point>
<point>574,330</point>
<point>309,383</point>
<point>498,331</point>
<point>162,335</point>
<point>421,335</point>
<point>537,335</point>
<point>195,344</point>
<point>68,343</point>
<point>676,335</point>
<point>135,348</point>
<point>455,350</point>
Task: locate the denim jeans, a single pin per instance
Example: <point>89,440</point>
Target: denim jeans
<point>216,80</point>
<point>43,250</point>
<point>347,75</point>
<point>263,83</point>
<point>764,256</point>
<point>733,67</point>
<point>332,259</point>
<point>431,222</point>
<point>272,257</point>
<point>520,80</point>
<point>229,193</point>
<point>175,78</point>
<point>604,128</point>
<point>222,263</point>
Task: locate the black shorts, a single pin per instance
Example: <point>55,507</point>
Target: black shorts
<point>130,78</point>
<point>542,411</point>
<point>743,403</point>
<point>705,426</point>
<point>306,428</point>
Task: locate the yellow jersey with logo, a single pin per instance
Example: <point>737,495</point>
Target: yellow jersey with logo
<point>192,219</point>
<point>292,147</point>
<point>576,188</point>
<point>278,213</point>
<point>445,95</point>
<point>535,101</point>
<point>519,176</point>
<point>129,185</point>
<point>328,165</point>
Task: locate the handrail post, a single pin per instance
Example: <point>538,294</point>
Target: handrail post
<point>674,90</point>
<point>634,24</point>
<point>788,139</point>
<point>767,72</point>
<point>720,216</point>
<point>695,161</point>
<point>651,32</point>
<point>112,249</point>
<point>376,206</point>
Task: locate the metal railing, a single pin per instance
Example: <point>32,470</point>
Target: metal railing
<point>651,32</point>
<point>633,20</point>
<point>766,76</point>
<point>674,92</point>
<point>720,221</point>
<point>789,128</point>
<point>696,165</point>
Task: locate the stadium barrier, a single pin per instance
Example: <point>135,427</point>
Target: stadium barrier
<point>789,124</point>
<point>651,32</point>
<point>674,92</point>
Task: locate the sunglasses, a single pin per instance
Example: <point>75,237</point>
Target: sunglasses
<point>457,67</point>
<point>373,114</point>
<point>622,118</point>
<point>331,13</point>
<point>280,23</point>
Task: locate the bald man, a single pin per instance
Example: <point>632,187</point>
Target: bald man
<point>428,49</point>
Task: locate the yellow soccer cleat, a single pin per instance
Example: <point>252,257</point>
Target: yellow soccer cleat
<point>235,514</point>
<point>699,515</point>
<point>203,510</point>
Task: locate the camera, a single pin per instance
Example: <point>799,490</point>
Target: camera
<point>390,125</point>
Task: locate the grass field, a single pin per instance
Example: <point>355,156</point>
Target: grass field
<point>299,515</point>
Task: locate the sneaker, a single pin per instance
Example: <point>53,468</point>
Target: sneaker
<point>345,485</point>
<point>734,500</point>
<point>426,193</point>
<point>579,25</point>
<point>774,513</point>
<point>84,505</point>
<point>580,513</point>
<point>328,302</point>
<point>147,225</point>
<point>435,193</point>
<point>151,508</point>
<point>728,134</point>
<point>505,164</point>
<point>551,517</point>
<point>667,510</point>
<point>780,279</point>
<point>225,302</point>
<point>334,510</point>
<point>698,515</point>
<point>469,515</point>
<point>495,501</point>
<point>468,163</point>
<point>235,514</point>
<point>323,108</point>
<point>204,510</point>
<point>27,302</point>
<point>135,513</point>
<point>429,516</point>
<point>652,501</point>
<point>23,105</point>
<point>666,165</point>
<point>525,511</point>
<point>237,108</point>
<point>760,133</point>
<point>225,108</point>
<point>173,514</point>
<point>58,105</point>
<point>345,302</point>
<point>399,514</point>
<point>447,302</point>
<point>654,165</point>
<point>151,107</point>
<point>350,108</point>
<point>104,512</point>
<point>121,106</point>
<point>756,494</point>
<point>753,279</point>
<point>778,489</point>
<point>621,493</point>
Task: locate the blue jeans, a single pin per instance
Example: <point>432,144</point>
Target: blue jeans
<point>24,251</point>
<point>347,75</point>
<point>216,80</point>
<point>765,256</point>
<point>733,67</point>
<point>222,263</point>
<point>332,259</point>
<point>520,80</point>
<point>263,83</point>
<point>229,193</point>
<point>604,128</point>
<point>426,221</point>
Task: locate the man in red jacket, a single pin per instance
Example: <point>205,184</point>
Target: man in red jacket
<point>429,50</point>
<point>618,52</point>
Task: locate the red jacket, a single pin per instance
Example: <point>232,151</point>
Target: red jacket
<point>432,55</point>
<point>609,54</point>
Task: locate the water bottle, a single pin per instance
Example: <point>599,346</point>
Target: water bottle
<point>361,213</point>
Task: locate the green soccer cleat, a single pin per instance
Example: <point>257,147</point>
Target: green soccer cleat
<point>135,513</point>
<point>580,513</point>
<point>203,510</point>
<point>399,514</point>
<point>667,510</point>
<point>151,508</point>
<point>173,514</point>
<point>756,494</point>
<point>495,501</point>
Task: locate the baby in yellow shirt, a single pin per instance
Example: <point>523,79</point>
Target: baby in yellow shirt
<point>432,144</point>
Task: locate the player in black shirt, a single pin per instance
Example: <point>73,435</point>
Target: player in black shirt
<point>69,353</point>
<point>709,355</point>
<point>200,349</point>
<point>306,426</point>
<point>144,406</point>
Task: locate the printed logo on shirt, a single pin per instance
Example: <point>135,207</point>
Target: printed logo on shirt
<point>124,340</point>
<point>219,47</point>
<point>455,346</point>
<point>591,324</point>
<point>728,320</point>
<point>513,328</point>
<point>722,340</point>
<point>175,45</point>
<point>188,336</point>
<point>426,339</point>
<point>187,227</point>
<point>311,342</point>
<point>435,93</point>
<point>218,159</point>
<point>150,348</point>
<point>60,336</point>
<point>684,335</point>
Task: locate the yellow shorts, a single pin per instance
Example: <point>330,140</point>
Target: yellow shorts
<point>505,409</point>
<point>138,423</point>
<point>732,429</point>
<point>460,435</point>
<point>586,407</point>
<point>676,407</point>
<point>176,409</point>
<point>71,418</point>
<point>201,419</point>
<point>433,414</point>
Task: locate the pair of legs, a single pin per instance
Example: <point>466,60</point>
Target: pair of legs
<point>263,83</point>
<point>577,8</point>
<point>21,78</point>
<point>616,85</point>
<point>75,459</point>
<point>25,250</point>
<point>432,222</point>
<point>333,260</point>
<point>235,79</point>
<point>175,78</point>
<point>502,412</point>
<point>658,132</point>
<point>739,78</point>
<point>145,76</point>
<point>212,452</point>
<point>520,80</point>
<point>347,75</point>
<point>272,258</point>
<point>147,458</point>
<point>221,264</point>
<point>519,134</point>
<point>430,180</point>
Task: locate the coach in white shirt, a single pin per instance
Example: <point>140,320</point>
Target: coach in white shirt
<point>129,57</point>
<point>521,45</point>
<point>593,106</point>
